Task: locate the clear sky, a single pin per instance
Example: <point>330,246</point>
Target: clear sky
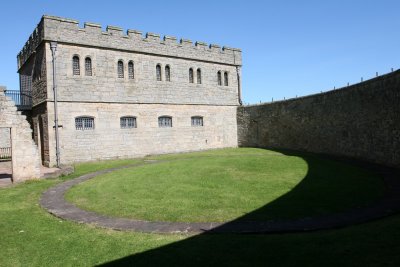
<point>289,47</point>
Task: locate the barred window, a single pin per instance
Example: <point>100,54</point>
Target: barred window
<point>120,69</point>
<point>167,73</point>
<point>199,76</point>
<point>158,72</point>
<point>127,122</point>
<point>76,70</point>
<point>131,71</point>
<point>226,79</point>
<point>197,121</point>
<point>88,66</point>
<point>84,123</point>
<point>219,78</point>
<point>191,80</point>
<point>164,121</point>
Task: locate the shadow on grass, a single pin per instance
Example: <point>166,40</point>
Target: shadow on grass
<point>356,245</point>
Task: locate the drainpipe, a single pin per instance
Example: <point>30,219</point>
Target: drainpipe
<point>238,79</point>
<point>53,47</point>
<point>239,89</point>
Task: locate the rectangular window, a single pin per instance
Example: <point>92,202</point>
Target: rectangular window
<point>127,122</point>
<point>197,121</point>
<point>164,121</point>
<point>84,123</point>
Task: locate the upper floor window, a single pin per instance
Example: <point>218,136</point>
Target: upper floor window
<point>191,79</point>
<point>167,73</point>
<point>88,66</point>
<point>131,71</point>
<point>76,70</point>
<point>219,78</point>
<point>84,123</point>
<point>164,121</point>
<point>158,72</point>
<point>127,122</point>
<point>226,79</point>
<point>197,121</point>
<point>120,69</point>
<point>199,76</point>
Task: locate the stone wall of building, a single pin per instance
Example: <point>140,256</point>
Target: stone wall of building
<point>25,155</point>
<point>105,86</point>
<point>67,31</point>
<point>361,121</point>
<point>107,140</point>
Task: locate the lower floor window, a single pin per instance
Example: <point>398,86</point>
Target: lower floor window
<point>165,121</point>
<point>84,123</point>
<point>128,122</point>
<point>197,121</point>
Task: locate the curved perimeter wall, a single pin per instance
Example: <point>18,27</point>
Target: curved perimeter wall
<point>360,121</point>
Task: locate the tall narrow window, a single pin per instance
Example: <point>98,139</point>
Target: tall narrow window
<point>167,73</point>
<point>131,71</point>
<point>84,123</point>
<point>164,121</point>
<point>197,121</point>
<point>191,80</point>
<point>120,69</point>
<point>158,72</point>
<point>199,76</point>
<point>76,70</point>
<point>88,66</point>
<point>226,79</point>
<point>219,78</point>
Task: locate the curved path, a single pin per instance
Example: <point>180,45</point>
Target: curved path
<point>53,201</point>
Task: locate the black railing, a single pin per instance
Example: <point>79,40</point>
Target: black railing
<point>5,153</point>
<point>23,100</point>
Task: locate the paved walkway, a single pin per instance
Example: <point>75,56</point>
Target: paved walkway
<point>53,200</point>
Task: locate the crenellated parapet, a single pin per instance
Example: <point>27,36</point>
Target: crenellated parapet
<point>68,31</point>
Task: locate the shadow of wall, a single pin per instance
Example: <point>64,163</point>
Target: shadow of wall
<point>323,248</point>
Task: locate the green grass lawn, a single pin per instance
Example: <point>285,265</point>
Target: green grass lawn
<point>29,236</point>
<point>222,185</point>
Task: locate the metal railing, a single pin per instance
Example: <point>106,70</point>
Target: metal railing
<point>5,153</point>
<point>23,100</point>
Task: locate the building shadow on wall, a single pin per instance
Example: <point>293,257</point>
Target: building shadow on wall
<point>295,249</point>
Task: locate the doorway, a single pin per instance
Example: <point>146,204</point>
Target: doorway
<point>5,156</point>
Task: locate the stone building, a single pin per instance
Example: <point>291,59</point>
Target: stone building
<point>121,95</point>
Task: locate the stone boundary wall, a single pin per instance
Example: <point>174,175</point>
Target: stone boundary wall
<point>361,121</point>
<point>25,154</point>
<point>64,30</point>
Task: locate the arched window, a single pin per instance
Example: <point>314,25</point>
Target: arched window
<point>226,79</point>
<point>199,76</point>
<point>120,69</point>
<point>158,72</point>
<point>131,70</point>
<point>167,73</point>
<point>165,121</point>
<point>88,66</point>
<point>191,80</point>
<point>197,121</point>
<point>127,122</point>
<point>219,78</point>
<point>84,123</point>
<point>76,70</point>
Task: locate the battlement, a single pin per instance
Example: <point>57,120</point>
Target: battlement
<point>67,31</point>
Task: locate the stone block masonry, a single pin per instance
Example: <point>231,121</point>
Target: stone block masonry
<point>109,141</point>
<point>361,121</point>
<point>25,154</point>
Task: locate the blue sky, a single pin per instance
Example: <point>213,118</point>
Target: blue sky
<point>289,47</point>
